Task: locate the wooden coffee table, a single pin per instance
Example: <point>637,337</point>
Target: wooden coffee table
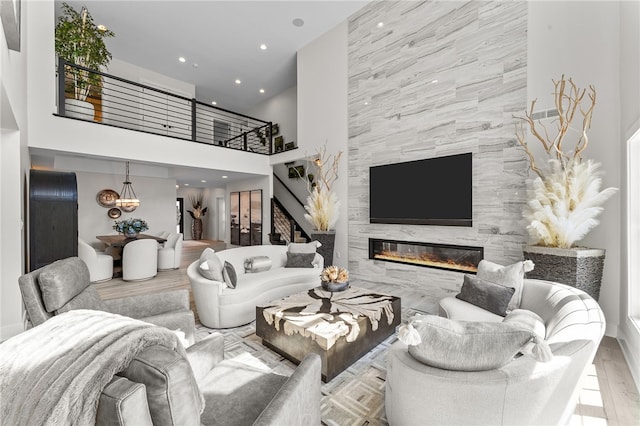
<point>340,327</point>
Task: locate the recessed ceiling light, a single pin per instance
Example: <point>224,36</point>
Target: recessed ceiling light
<point>195,65</point>
<point>380,24</point>
<point>298,22</point>
<point>182,59</point>
<point>263,46</point>
<point>434,81</point>
<point>203,181</point>
<point>261,90</point>
<point>238,81</point>
<point>224,176</point>
<point>366,103</point>
<point>177,186</point>
<point>214,103</point>
<point>186,184</point>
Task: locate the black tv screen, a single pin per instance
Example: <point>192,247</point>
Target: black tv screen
<point>434,191</point>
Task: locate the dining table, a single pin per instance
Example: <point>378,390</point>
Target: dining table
<point>116,242</point>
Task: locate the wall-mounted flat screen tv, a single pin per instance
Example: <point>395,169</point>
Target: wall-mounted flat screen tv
<point>433,191</point>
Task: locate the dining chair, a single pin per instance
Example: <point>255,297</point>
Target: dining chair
<point>169,256</point>
<point>140,260</point>
<point>100,264</point>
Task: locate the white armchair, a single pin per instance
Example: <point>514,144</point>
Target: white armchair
<point>100,265</point>
<point>169,256</point>
<point>140,260</point>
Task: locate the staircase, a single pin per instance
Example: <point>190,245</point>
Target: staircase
<point>285,228</point>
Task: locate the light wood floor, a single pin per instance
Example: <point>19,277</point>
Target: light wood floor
<point>608,396</point>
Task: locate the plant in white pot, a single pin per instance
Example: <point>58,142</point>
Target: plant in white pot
<point>564,196</point>
<point>322,203</point>
<point>78,40</point>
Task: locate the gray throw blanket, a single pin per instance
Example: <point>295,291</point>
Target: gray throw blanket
<point>54,373</point>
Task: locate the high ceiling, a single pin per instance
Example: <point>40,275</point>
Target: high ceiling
<point>220,41</point>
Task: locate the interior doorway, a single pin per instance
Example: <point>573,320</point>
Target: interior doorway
<point>180,215</point>
<point>221,226</point>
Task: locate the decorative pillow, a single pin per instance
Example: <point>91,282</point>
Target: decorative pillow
<point>509,276</point>
<point>257,264</point>
<point>304,247</point>
<point>229,274</point>
<point>88,299</point>
<point>61,281</point>
<point>207,252</point>
<point>466,345</point>
<point>211,269</point>
<point>485,294</point>
<point>300,260</point>
<point>526,320</point>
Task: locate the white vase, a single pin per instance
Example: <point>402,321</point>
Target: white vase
<point>79,109</point>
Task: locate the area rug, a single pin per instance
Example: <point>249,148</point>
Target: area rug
<point>353,398</point>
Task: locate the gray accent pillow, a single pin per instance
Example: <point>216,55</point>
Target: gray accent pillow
<point>88,299</point>
<point>300,260</point>
<point>61,281</point>
<point>509,276</point>
<point>229,274</point>
<point>210,267</point>
<point>485,294</point>
<point>526,320</point>
<point>304,247</point>
<point>466,345</point>
<point>257,264</point>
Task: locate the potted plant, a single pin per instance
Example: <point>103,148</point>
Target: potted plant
<point>322,203</point>
<point>78,40</point>
<point>564,196</point>
<point>198,212</point>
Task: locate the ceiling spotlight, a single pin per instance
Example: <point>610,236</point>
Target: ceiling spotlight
<point>186,184</point>
<point>380,24</point>
<point>298,22</point>
<point>434,81</point>
<point>182,59</point>
<point>195,65</point>
<point>238,81</point>
<point>203,181</point>
<point>224,176</point>
<point>177,186</point>
<point>263,46</point>
<point>214,103</point>
<point>261,90</point>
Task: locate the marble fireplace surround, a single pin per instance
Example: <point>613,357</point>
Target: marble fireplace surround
<point>439,78</point>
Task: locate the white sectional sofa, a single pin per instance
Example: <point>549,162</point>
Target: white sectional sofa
<point>219,306</point>
<point>524,391</point>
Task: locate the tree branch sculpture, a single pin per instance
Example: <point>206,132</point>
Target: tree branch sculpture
<point>322,202</point>
<point>564,198</point>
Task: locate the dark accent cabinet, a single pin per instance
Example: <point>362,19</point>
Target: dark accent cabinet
<point>53,217</point>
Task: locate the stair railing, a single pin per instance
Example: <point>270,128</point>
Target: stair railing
<point>290,231</point>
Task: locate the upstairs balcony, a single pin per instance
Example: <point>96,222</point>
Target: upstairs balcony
<point>108,100</point>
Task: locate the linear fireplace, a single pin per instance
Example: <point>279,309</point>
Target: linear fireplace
<point>441,256</point>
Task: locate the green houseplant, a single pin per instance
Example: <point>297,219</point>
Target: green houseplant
<point>564,196</point>
<point>78,40</point>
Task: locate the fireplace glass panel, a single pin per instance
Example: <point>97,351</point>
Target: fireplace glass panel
<point>441,256</point>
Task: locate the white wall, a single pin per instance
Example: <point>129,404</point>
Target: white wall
<point>281,109</point>
<point>144,76</point>
<point>14,162</point>
<point>157,200</point>
<point>558,44</point>
<point>322,113</point>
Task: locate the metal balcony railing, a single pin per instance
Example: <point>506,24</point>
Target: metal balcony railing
<point>118,102</point>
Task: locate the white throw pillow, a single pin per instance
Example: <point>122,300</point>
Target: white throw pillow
<point>304,247</point>
<point>210,266</point>
<point>508,276</point>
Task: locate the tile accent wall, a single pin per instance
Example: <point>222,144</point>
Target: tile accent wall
<point>477,52</point>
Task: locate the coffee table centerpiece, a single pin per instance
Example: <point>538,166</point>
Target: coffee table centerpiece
<point>339,326</point>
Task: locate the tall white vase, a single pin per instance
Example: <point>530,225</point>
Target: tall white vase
<point>79,109</point>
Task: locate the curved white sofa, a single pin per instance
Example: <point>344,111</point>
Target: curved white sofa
<point>222,307</point>
<point>523,392</point>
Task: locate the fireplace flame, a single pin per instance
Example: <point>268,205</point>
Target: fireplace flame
<point>426,259</point>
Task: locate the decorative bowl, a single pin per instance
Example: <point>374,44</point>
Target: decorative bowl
<point>334,286</point>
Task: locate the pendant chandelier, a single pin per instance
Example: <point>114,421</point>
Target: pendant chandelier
<point>127,200</point>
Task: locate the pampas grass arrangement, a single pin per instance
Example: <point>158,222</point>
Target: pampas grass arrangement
<point>323,206</point>
<point>565,197</point>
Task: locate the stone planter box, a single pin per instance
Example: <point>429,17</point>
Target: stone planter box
<point>579,267</point>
